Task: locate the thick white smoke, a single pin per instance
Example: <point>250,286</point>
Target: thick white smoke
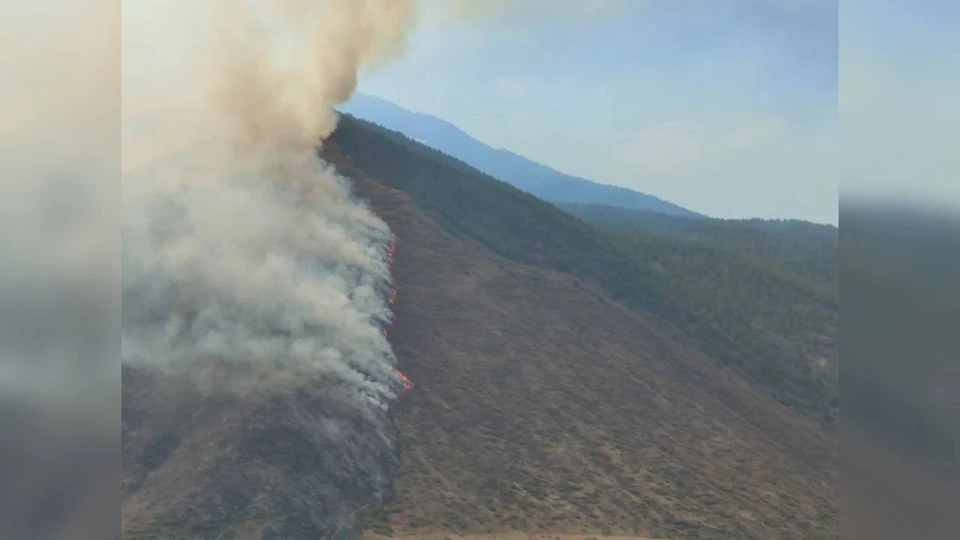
<point>245,259</point>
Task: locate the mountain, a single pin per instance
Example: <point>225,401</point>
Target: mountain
<point>530,176</point>
<point>569,379</point>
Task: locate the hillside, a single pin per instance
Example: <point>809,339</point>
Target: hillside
<point>564,385</point>
<point>544,406</point>
<point>528,175</point>
<point>809,250</point>
<point>774,329</point>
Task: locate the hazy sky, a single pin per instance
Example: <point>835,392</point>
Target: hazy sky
<point>727,107</point>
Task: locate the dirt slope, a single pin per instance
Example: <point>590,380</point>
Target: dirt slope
<point>540,406</point>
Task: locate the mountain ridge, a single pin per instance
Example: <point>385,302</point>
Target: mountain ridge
<point>524,173</point>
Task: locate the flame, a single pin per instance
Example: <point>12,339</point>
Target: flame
<point>407,383</point>
<point>391,251</point>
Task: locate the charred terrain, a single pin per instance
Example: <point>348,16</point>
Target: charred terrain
<point>568,380</point>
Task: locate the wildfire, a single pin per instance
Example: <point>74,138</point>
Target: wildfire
<point>407,384</point>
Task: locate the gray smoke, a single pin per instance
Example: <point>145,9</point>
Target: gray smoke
<point>246,261</point>
<point>270,266</point>
<point>249,268</point>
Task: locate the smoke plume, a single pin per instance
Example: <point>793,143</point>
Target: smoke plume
<point>249,268</point>
<point>245,258</point>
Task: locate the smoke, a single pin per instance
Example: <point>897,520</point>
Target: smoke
<point>247,263</point>
<point>248,267</point>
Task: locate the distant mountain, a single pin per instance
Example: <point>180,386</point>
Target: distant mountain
<point>528,175</point>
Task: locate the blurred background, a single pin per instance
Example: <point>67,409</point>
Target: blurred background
<point>59,290</point>
<point>900,262</point>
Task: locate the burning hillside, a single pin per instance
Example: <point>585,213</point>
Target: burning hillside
<point>256,286</point>
<point>391,299</point>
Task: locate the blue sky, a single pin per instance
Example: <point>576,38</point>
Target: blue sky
<point>727,107</point>
<point>734,108</point>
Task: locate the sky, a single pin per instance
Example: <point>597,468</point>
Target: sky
<point>733,108</point>
<point>726,107</point>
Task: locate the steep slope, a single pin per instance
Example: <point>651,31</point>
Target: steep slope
<point>782,335</point>
<point>779,280</point>
<point>535,178</point>
<point>808,249</point>
<point>542,405</point>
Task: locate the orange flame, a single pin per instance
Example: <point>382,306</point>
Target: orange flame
<point>407,384</point>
